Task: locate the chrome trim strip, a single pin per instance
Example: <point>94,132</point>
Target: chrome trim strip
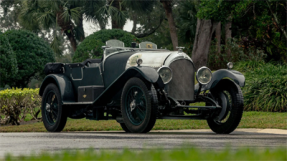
<point>101,73</point>
<point>77,79</point>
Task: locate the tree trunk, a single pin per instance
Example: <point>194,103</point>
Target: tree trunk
<point>115,24</point>
<point>203,36</point>
<point>228,33</point>
<point>72,39</point>
<point>81,28</point>
<point>102,25</point>
<point>218,37</point>
<point>172,29</point>
<point>67,28</point>
<point>135,18</point>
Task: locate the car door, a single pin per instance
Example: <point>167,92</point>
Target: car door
<point>91,85</point>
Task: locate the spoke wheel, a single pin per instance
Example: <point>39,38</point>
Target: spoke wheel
<point>138,106</point>
<point>229,96</point>
<point>53,114</point>
<point>51,109</point>
<point>135,105</point>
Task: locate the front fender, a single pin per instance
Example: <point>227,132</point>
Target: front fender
<point>148,74</point>
<point>218,75</point>
<point>63,84</point>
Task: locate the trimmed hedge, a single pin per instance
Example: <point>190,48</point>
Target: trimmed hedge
<point>19,102</point>
<point>8,61</point>
<point>91,47</point>
<point>32,53</point>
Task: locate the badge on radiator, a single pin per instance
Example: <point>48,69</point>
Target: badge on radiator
<point>84,96</point>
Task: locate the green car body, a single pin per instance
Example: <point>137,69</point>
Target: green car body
<point>94,88</point>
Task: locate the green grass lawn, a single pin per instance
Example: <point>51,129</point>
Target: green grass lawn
<point>185,153</point>
<point>249,120</point>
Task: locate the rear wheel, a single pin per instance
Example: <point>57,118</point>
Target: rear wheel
<point>53,114</point>
<point>124,127</point>
<point>229,96</point>
<point>138,106</point>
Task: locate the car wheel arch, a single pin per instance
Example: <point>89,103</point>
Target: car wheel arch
<point>45,83</point>
<point>63,84</point>
<point>222,74</point>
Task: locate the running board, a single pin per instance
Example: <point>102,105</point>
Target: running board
<point>196,117</point>
<point>77,103</point>
<point>198,107</point>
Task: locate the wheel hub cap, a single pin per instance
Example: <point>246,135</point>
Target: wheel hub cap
<point>48,107</point>
<point>133,105</point>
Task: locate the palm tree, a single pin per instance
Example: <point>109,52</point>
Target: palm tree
<point>65,14</point>
<point>118,10</point>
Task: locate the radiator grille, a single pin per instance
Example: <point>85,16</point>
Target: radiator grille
<point>181,87</point>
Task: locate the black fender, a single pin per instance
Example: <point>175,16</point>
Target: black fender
<point>64,85</point>
<point>147,74</point>
<point>218,75</point>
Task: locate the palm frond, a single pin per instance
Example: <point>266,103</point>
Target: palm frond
<point>142,7</point>
<point>46,18</point>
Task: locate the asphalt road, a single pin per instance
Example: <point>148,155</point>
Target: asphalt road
<point>25,143</point>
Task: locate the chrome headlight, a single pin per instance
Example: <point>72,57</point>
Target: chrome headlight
<point>203,75</point>
<point>139,61</point>
<point>165,73</point>
<point>229,65</point>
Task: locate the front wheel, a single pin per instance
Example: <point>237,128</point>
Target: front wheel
<point>53,113</point>
<point>229,96</point>
<point>138,106</point>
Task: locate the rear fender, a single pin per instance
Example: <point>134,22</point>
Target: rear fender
<point>218,75</point>
<point>63,84</point>
<point>147,74</point>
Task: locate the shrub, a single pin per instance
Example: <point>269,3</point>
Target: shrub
<point>18,102</point>
<point>32,53</point>
<point>248,65</point>
<point>219,60</point>
<point>266,87</point>
<point>91,47</point>
<point>8,62</point>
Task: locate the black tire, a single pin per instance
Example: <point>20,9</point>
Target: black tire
<point>234,110</point>
<point>53,114</point>
<point>138,106</point>
<point>124,127</point>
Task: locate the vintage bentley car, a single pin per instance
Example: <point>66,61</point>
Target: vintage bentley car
<point>138,85</point>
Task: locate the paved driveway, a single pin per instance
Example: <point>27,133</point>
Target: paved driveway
<point>25,143</point>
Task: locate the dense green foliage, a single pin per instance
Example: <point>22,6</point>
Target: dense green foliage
<point>18,102</point>
<point>8,61</point>
<point>32,53</point>
<point>219,60</point>
<point>187,19</point>
<point>257,24</point>
<point>266,86</point>
<point>184,153</point>
<point>91,47</point>
<point>184,13</point>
